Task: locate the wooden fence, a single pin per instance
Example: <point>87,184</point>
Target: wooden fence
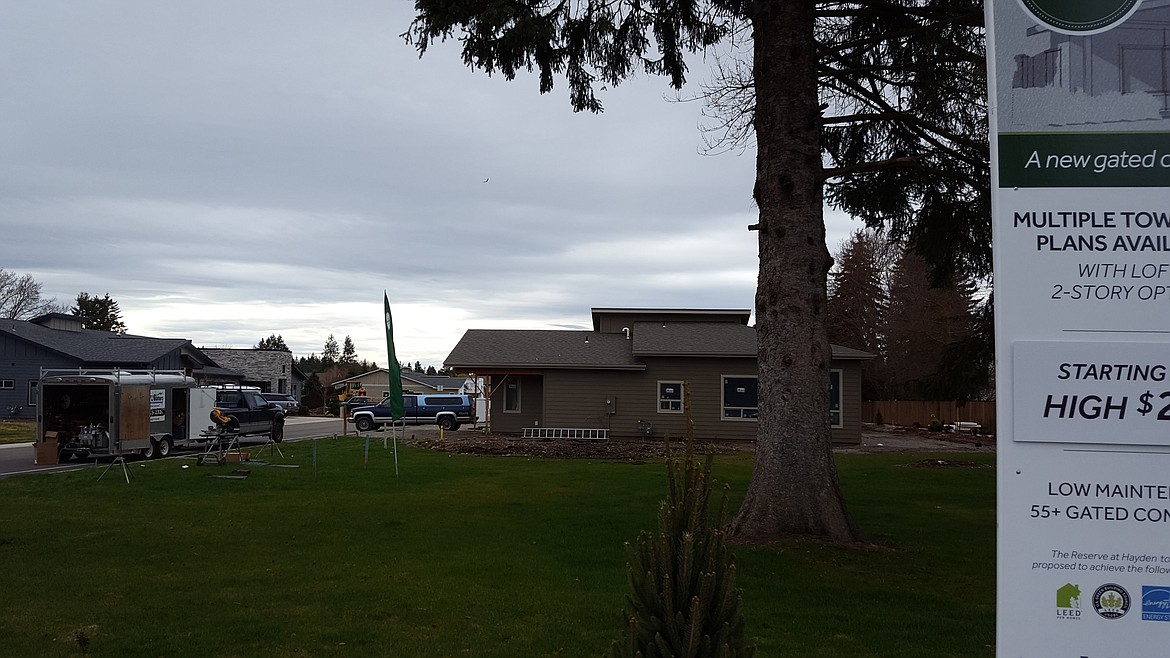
<point>911,412</point>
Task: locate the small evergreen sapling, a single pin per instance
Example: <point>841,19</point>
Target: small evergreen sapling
<point>683,600</point>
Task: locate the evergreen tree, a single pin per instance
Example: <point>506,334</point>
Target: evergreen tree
<point>908,147</point>
<point>348,353</point>
<point>683,600</point>
<point>431,370</point>
<point>273,342</point>
<point>309,364</point>
<point>857,305</point>
<point>101,313</point>
<point>331,353</point>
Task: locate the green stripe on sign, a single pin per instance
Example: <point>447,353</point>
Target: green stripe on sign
<point>1130,159</point>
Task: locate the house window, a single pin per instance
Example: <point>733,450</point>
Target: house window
<point>835,398</point>
<point>7,384</point>
<point>33,393</point>
<point>512,397</point>
<point>670,395</point>
<point>282,386</point>
<point>740,397</point>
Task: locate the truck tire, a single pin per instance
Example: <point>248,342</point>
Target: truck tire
<point>278,430</point>
<point>448,424</point>
<point>165,445</point>
<point>364,423</point>
<point>64,456</point>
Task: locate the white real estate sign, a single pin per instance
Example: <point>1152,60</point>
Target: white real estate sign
<point>1080,118</point>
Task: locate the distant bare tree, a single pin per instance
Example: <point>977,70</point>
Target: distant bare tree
<point>924,321</point>
<point>20,297</point>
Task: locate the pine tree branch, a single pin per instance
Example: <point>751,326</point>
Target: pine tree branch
<point>890,163</point>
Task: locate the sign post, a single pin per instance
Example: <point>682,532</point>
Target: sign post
<point>1080,120</point>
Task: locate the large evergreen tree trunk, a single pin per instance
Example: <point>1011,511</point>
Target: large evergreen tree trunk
<point>794,489</point>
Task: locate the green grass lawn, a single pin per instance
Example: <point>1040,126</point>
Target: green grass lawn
<point>17,431</point>
<point>461,556</point>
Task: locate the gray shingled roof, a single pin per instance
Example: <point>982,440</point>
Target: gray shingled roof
<point>510,348</point>
<point>434,381</point>
<point>502,348</point>
<point>693,339</point>
<point>91,346</point>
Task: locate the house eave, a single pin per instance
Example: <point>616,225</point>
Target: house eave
<point>477,367</point>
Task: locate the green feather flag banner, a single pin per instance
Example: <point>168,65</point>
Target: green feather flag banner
<point>395,370</point>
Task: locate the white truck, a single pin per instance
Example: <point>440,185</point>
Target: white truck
<point>126,412</point>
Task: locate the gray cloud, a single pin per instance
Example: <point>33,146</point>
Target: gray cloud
<point>228,170</point>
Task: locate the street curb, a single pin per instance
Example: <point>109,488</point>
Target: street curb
<point>16,445</point>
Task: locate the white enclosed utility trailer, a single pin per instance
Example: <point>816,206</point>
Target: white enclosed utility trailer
<point>120,412</point>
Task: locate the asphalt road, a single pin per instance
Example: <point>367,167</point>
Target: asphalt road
<point>18,459</point>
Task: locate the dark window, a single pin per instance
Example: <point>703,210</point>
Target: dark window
<point>512,397</point>
<point>670,395</point>
<point>34,391</point>
<point>740,395</point>
<point>230,400</point>
<point>835,398</point>
<point>7,384</point>
<point>442,400</point>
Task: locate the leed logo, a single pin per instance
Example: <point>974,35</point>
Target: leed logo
<point>1080,17</point>
<point>1155,603</point>
<point>1068,602</point>
<point>1111,601</point>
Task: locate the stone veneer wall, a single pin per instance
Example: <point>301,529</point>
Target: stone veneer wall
<point>259,367</point>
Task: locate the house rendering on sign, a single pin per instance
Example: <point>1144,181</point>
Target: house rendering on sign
<point>1132,59</point>
<point>632,374</point>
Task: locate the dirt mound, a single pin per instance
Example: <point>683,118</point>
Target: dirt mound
<point>875,439</point>
<point>612,450</point>
<point>946,463</point>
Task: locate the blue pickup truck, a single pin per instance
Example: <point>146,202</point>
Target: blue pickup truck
<point>446,411</point>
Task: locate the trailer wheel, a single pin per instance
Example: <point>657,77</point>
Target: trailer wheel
<point>165,445</point>
<point>151,451</point>
<point>278,430</point>
<point>364,423</point>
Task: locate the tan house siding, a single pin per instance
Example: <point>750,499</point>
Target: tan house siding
<point>617,401</point>
<point>850,432</point>
<point>609,378</point>
<point>531,403</point>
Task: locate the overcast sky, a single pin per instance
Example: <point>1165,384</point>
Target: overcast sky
<point>231,170</point>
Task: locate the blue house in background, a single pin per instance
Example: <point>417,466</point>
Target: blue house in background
<point>57,340</point>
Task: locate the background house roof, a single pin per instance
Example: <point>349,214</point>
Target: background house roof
<point>435,382</point>
<point>97,347</point>
<point>742,316</point>
<point>513,348</point>
<point>509,348</point>
<point>693,339</point>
